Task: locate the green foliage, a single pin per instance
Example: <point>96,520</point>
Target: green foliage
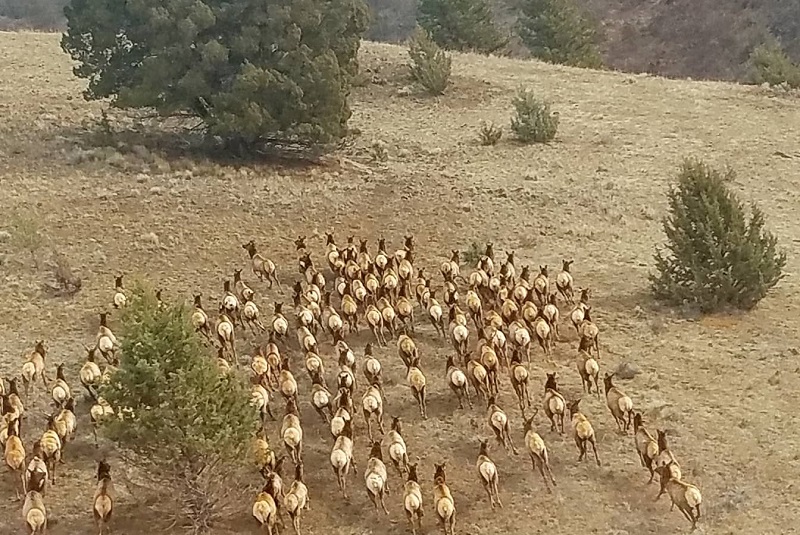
<point>490,134</point>
<point>252,72</point>
<point>533,121</point>
<point>465,25</point>
<point>770,64</point>
<point>557,31</point>
<point>717,258</point>
<point>176,407</point>
<point>430,65</point>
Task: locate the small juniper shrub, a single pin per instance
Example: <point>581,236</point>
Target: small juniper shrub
<point>533,121</point>
<point>716,258</point>
<point>770,64</point>
<point>430,65</point>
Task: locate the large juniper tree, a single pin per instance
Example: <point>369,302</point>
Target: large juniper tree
<point>465,25</point>
<point>557,31</point>
<point>251,70</point>
<point>717,257</point>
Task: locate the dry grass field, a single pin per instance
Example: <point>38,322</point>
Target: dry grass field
<point>725,386</point>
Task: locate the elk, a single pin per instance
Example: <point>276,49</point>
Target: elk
<point>538,451</point>
<point>291,432</point>
<point>418,383</point>
<point>519,380</point>
<point>554,403</point>
<point>372,404</point>
<point>397,446</point>
<point>498,422</point>
<point>342,456</point>
<point>375,477</point>
<point>488,474</point>
<point>104,496</point>
<point>412,499</point>
<point>457,382</point>
<point>564,281</point>
<point>588,370</point>
<point>685,495</point>
<point>443,500</point>
<point>296,499</point>
<point>541,285</point>
<point>263,268</point>
<point>589,332</point>
<point>583,431</point>
<point>646,445</point>
<point>120,299</point>
<point>618,403</point>
<point>199,318</point>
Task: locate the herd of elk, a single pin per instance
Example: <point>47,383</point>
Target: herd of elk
<point>490,324</point>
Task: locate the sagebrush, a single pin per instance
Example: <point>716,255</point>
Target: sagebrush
<point>715,256</point>
<point>176,408</point>
<point>430,65</point>
<point>533,120</point>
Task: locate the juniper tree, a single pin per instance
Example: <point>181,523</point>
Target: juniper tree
<point>251,71</point>
<point>176,409</point>
<point>716,257</point>
<point>464,25</point>
<point>430,66</point>
<point>557,31</point>
<point>770,64</point>
<point>533,121</point>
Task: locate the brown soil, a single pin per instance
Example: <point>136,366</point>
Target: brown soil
<point>722,385</point>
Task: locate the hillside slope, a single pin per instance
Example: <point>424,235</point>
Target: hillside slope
<point>722,385</point>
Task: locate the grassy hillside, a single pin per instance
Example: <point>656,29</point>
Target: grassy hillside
<point>723,385</point>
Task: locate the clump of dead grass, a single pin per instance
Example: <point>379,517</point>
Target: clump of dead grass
<point>472,254</point>
<point>490,134</point>
<point>378,151</point>
<point>26,234</point>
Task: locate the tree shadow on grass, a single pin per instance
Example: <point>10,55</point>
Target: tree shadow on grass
<point>146,137</point>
